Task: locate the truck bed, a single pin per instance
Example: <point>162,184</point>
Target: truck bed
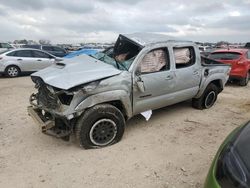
<point>210,62</point>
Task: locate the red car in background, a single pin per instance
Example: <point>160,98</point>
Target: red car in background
<point>239,60</point>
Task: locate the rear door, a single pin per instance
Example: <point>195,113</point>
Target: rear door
<point>187,72</point>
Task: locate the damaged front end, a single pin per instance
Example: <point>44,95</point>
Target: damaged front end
<point>50,108</point>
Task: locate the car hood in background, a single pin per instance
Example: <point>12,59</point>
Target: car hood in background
<point>76,71</point>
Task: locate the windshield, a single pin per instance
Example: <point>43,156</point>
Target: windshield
<point>124,65</point>
<point>233,165</point>
<point>225,55</point>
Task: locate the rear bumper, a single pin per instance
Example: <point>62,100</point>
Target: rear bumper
<point>235,77</point>
<point>238,73</point>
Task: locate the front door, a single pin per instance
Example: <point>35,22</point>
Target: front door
<point>156,78</point>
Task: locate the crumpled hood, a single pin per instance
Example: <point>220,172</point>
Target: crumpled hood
<point>76,71</point>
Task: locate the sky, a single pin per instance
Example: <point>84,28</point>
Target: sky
<point>76,21</point>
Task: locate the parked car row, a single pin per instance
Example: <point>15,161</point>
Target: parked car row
<point>5,46</point>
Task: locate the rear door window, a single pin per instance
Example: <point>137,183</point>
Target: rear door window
<point>184,56</point>
<point>225,55</point>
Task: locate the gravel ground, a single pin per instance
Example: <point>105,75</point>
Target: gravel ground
<point>173,149</point>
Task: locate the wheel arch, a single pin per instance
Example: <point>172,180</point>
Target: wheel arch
<point>118,104</point>
<point>118,98</point>
<point>12,65</point>
<point>218,83</point>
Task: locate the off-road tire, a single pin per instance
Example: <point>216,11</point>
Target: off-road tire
<point>207,99</point>
<point>12,71</point>
<point>244,81</point>
<point>109,119</point>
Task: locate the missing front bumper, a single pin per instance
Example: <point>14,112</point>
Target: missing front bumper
<point>47,126</point>
<point>36,116</point>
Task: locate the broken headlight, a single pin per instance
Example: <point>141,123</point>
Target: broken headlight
<point>85,87</point>
<point>65,98</point>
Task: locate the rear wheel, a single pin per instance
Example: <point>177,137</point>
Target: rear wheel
<point>207,99</point>
<point>12,71</point>
<point>100,126</point>
<point>244,81</point>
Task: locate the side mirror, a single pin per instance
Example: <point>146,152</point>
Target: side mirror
<point>140,85</point>
<point>138,72</point>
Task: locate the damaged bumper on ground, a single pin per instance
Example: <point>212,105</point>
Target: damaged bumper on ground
<point>37,116</point>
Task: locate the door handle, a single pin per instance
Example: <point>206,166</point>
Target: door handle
<point>19,59</point>
<point>39,60</point>
<point>169,77</point>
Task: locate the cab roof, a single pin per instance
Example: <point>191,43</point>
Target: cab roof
<point>144,39</point>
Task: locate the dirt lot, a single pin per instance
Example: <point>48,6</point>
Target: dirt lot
<point>173,149</point>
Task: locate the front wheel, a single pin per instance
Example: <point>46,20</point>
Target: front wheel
<point>100,126</point>
<point>12,71</point>
<point>207,99</point>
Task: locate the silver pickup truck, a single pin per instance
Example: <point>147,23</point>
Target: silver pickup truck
<point>93,96</point>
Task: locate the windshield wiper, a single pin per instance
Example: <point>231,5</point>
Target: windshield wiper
<point>99,58</point>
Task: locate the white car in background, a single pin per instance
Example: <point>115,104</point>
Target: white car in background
<point>17,61</point>
<point>5,46</point>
